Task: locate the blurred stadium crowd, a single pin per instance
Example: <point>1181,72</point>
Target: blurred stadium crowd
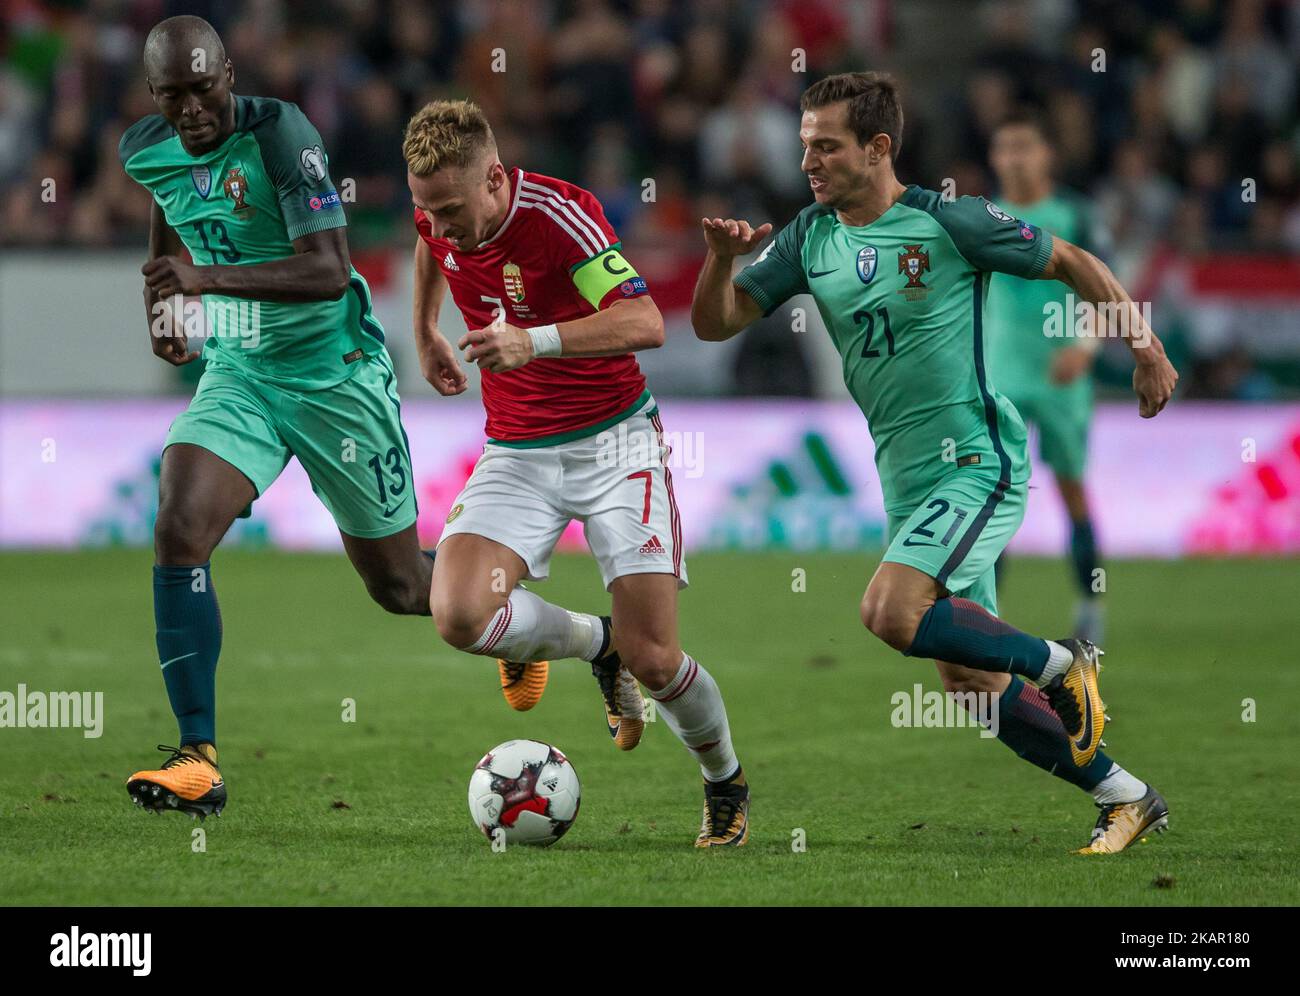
<point>1190,100</point>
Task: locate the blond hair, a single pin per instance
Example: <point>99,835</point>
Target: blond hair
<point>446,133</point>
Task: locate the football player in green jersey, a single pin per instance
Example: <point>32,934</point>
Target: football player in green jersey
<point>1046,376</point>
<point>295,366</point>
<point>899,276</point>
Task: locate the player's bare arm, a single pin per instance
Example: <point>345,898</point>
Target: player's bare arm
<point>1154,376</point>
<point>438,362</point>
<point>624,327</point>
<point>168,339</point>
<point>719,309</point>
<point>319,270</point>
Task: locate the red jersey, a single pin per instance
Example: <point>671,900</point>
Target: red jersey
<point>554,259</point>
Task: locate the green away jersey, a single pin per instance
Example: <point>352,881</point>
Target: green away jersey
<point>903,299</point>
<point>1020,354</point>
<point>243,203</point>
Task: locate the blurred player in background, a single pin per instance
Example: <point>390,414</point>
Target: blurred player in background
<point>555,312</point>
<point>295,366</point>
<point>1047,377</point>
<point>899,276</point>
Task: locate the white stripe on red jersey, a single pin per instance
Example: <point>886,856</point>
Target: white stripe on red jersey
<point>531,192</point>
<point>565,221</point>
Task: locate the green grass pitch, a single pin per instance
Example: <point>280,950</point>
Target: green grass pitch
<point>374,812</point>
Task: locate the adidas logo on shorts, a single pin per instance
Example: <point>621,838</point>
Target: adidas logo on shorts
<point>652,545</point>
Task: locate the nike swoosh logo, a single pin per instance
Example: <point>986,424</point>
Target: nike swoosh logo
<point>1085,733</point>
<point>388,512</point>
<point>180,658</point>
<point>814,273</point>
<point>907,541</point>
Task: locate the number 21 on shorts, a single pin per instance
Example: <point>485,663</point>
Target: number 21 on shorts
<point>940,507</point>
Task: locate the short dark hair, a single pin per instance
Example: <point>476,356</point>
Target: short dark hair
<point>874,105</point>
<point>1028,117</point>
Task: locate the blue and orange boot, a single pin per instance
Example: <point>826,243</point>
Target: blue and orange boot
<point>188,782</point>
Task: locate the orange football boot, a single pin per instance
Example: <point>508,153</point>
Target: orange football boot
<point>522,683</point>
<point>189,781</point>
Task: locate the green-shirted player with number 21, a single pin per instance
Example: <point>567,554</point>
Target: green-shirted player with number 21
<point>899,276</point>
<point>295,366</point>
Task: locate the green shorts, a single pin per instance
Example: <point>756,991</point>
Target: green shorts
<point>958,531</point>
<point>1062,416</point>
<point>348,437</point>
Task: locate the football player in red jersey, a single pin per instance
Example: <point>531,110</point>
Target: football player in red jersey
<point>555,312</point>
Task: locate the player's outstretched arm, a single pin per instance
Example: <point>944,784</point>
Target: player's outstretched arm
<point>626,326</point>
<point>166,329</point>
<point>319,270</point>
<point>1154,376</point>
<point>437,359</point>
<point>719,309</point>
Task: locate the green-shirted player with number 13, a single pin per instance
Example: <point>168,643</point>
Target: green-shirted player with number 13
<point>899,276</point>
<point>295,366</point>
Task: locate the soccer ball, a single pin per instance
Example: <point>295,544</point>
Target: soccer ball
<point>525,790</point>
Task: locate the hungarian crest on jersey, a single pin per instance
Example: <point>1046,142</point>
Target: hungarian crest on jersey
<point>914,261</point>
<point>514,281</point>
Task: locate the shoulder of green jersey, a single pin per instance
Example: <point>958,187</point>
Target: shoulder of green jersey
<point>968,214</point>
<point>283,124</point>
<point>146,132</point>
<point>254,113</point>
<point>977,231</point>
<point>796,230</point>
<point>805,218</point>
<point>934,203</point>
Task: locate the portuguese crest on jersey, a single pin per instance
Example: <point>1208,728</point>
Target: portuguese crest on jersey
<point>514,281</point>
<point>236,188</point>
<point>914,261</point>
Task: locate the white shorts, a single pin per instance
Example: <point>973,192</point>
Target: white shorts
<point>616,483</point>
